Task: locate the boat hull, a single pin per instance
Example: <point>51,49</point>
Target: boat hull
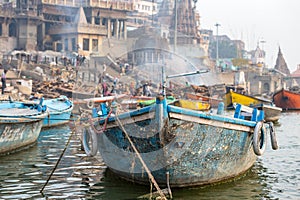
<point>287,100</point>
<point>193,104</point>
<point>56,119</point>
<point>234,97</point>
<point>214,102</point>
<point>20,125</point>
<point>15,136</point>
<point>272,113</point>
<point>59,111</point>
<point>195,149</point>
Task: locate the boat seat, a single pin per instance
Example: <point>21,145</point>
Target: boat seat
<point>101,111</point>
<point>247,113</point>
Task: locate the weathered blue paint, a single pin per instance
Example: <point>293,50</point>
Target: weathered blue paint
<point>196,148</point>
<point>59,111</point>
<point>133,113</point>
<point>20,125</point>
<point>221,107</point>
<point>204,115</point>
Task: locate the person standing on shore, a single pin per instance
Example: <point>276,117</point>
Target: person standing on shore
<point>3,80</point>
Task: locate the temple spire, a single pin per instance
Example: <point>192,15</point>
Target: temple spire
<point>281,64</point>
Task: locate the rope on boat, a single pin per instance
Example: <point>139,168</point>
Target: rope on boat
<point>91,121</point>
<point>151,188</point>
<point>60,157</point>
<point>151,177</point>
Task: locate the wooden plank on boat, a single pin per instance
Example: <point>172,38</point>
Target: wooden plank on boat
<point>100,99</point>
<point>133,119</point>
<point>209,122</point>
<point>16,112</point>
<point>194,105</point>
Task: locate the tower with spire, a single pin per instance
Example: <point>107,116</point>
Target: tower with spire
<point>281,64</point>
<point>180,16</point>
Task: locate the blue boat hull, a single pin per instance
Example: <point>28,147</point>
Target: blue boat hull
<point>195,148</point>
<point>59,111</point>
<point>20,125</point>
<point>56,119</point>
<point>14,136</point>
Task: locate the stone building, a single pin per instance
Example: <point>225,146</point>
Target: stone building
<point>262,80</point>
<point>258,57</point>
<point>143,13</point>
<point>84,26</point>
<point>62,25</point>
<point>8,28</point>
<point>281,65</point>
<point>296,77</point>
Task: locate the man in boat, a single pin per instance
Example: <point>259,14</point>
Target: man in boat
<point>146,90</point>
<point>112,91</point>
<point>105,91</point>
<point>3,80</point>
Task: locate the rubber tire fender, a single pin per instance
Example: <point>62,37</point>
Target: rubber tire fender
<point>87,135</point>
<point>90,104</point>
<point>274,142</point>
<point>259,138</point>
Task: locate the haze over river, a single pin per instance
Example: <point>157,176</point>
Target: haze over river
<point>276,175</point>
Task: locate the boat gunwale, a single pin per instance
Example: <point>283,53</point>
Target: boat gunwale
<point>263,100</point>
<point>220,118</point>
<point>25,118</point>
<point>57,112</point>
<point>180,110</point>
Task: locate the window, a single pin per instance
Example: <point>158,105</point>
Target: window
<point>266,87</point>
<point>74,44</point>
<point>95,45</point>
<point>12,30</point>
<point>86,45</point>
<point>104,22</point>
<point>66,44</point>
<point>97,18</point>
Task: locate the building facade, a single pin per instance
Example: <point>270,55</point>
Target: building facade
<point>62,25</point>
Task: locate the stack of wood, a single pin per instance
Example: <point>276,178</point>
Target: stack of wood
<point>46,89</point>
<point>201,89</point>
<point>50,89</point>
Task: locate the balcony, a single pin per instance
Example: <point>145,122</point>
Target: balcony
<point>115,5</point>
<point>78,28</point>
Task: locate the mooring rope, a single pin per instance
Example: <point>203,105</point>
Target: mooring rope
<point>151,177</point>
<point>91,121</point>
<point>60,157</point>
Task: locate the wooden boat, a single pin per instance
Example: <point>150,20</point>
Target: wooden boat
<point>190,104</point>
<point>247,100</point>
<point>92,102</point>
<point>193,104</point>
<point>272,112</point>
<point>187,146</point>
<point>20,125</point>
<point>134,102</point>
<point>287,100</point>
<point>214,102</point>
<point>59,111</point>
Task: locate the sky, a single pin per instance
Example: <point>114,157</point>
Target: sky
<point>276,22</point>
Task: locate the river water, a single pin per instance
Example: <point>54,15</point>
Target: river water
<point>23,175</point>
